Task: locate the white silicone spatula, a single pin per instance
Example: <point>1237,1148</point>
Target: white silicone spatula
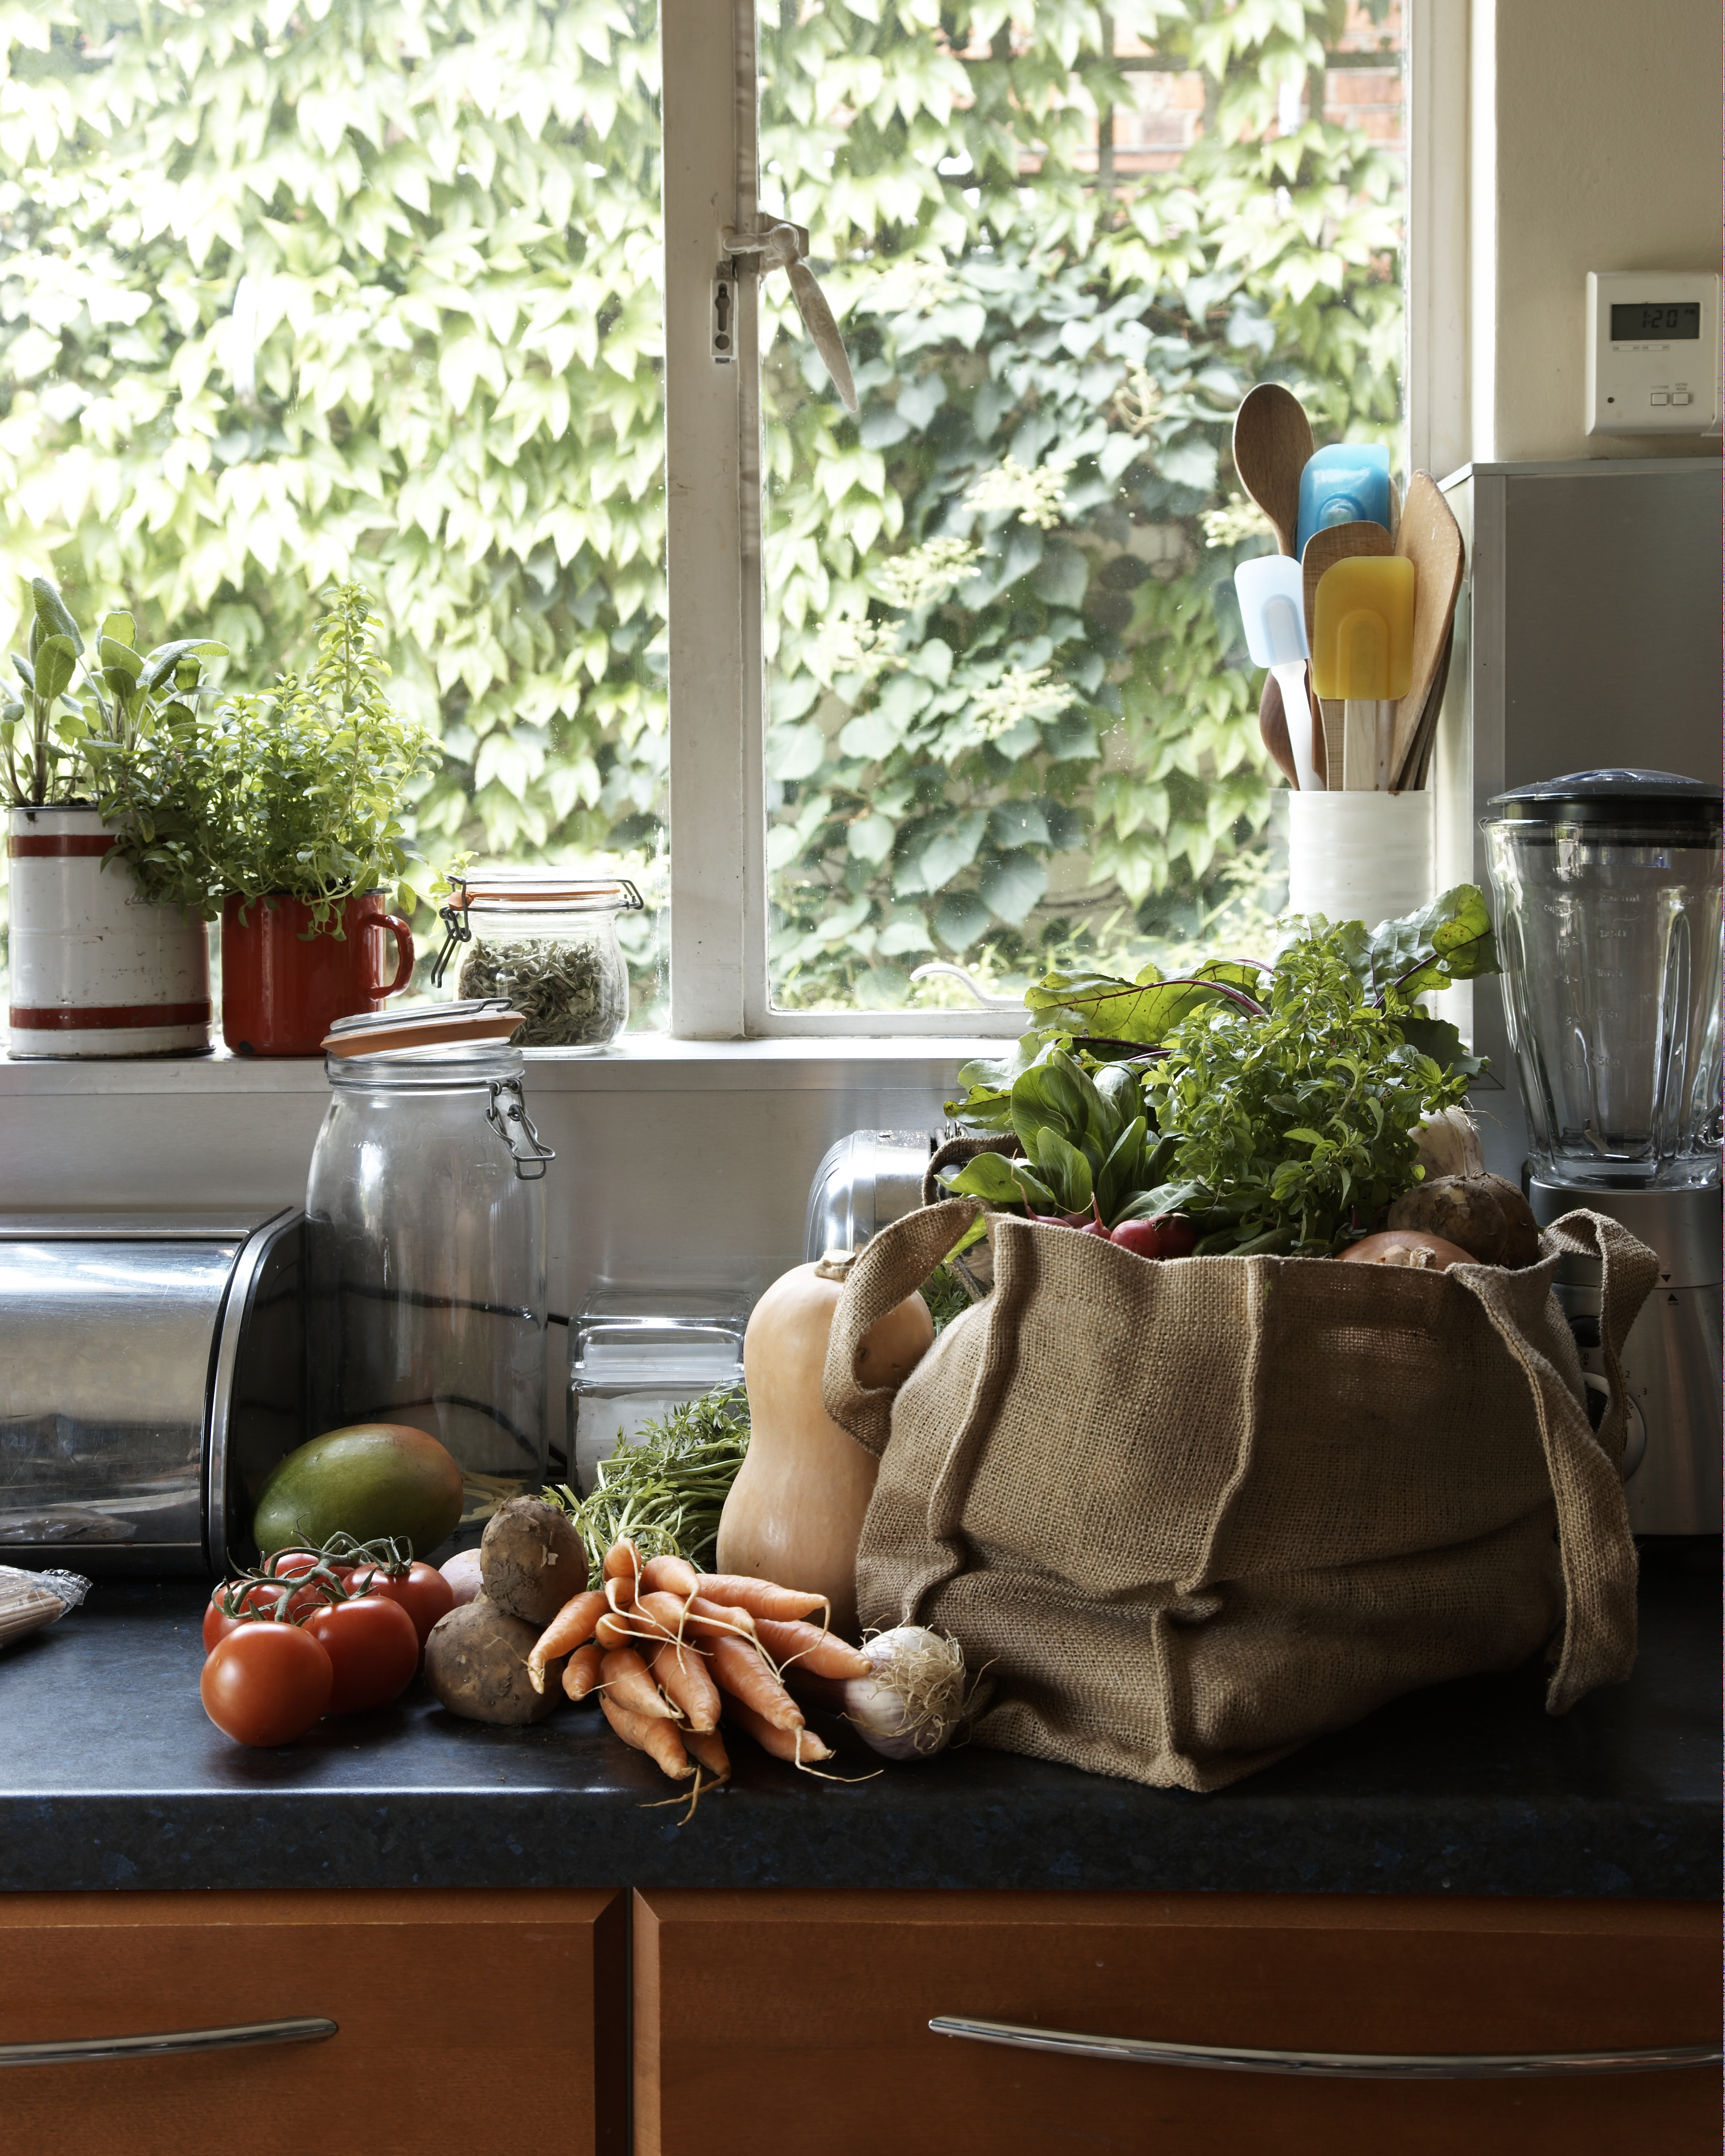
<point>1272,606</point>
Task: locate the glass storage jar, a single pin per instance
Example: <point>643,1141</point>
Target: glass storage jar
<point>425,1245</point>
<point>547,942</point>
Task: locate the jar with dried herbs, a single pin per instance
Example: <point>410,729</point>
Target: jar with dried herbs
<point>547,940</point>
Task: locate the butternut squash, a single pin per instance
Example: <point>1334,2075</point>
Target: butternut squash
<point>795,1511</point>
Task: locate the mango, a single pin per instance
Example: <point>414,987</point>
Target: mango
<point>370,1480</point>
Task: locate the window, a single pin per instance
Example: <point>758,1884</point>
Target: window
<point>291,292</point>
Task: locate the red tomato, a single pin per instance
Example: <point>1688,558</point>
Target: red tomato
<point>266,1683</point>
<point>372,1647</point>
<point>421,1590</point>
<point>258,1602</point>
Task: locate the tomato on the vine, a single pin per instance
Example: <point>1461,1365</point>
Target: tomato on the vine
<point>421,1590</point>
<point>258,1602</point>
<point>372,1648</point>
<point>266,1683</point>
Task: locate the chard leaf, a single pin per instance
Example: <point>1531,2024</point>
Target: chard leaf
<point>987,1177</point>
<point>1449,940</point>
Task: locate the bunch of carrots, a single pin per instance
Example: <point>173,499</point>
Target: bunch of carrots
<point>670,1650</point>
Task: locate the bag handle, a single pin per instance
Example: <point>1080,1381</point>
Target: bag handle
<point>889,1266</point>
<point>1595,1547</point>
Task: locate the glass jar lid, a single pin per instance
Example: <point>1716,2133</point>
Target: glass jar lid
<point>1617,795</point>
<point>482,1024</point>
<point>546,889</point>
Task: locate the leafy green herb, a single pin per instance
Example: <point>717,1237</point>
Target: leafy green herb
<point>297,793</point>
<point>1276,1108</point>
<point>58,741</point>
<point>571,998</point>
<point>946,1296</point>
<point>667,1490</point>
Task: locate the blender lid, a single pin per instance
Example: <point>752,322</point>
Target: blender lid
<point>1614,795</point>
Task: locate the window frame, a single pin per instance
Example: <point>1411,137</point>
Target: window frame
<point>720,987</point>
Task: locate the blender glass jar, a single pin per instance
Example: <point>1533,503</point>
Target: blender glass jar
<point>425,1248</point>
<point>546,942</point>
<point>1607,885</point>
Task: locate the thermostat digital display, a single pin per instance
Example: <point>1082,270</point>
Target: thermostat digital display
<point>1681,319</point>
<point>1652,351</point>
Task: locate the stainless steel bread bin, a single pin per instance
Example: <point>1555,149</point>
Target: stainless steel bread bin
<point>150,1375</point>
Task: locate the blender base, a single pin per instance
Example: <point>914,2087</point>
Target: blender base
<point>1671,1359</point>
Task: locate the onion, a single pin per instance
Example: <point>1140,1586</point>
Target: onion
<point>1414,1247</point>
<point>463,1573</point>
<point>912,1705</point>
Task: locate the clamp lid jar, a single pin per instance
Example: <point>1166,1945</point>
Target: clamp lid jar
<point>546,941</point>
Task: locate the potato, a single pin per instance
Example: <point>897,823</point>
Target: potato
<point>476,1659</point>
<point>1486,1216</point>
<point>532,1560</point>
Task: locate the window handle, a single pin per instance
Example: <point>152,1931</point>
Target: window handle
<point>1342,2066</point>
<point>240,2036</point>
<point>782,246</point>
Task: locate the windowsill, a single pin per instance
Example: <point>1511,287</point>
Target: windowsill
<point>642,1062</point>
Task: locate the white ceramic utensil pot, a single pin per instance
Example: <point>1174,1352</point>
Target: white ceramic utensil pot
<point>1359,856</point>
<point>96,969</point>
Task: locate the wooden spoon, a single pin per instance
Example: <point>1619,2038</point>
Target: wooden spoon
<point>1273,730</point>
<point>1335,542</point>
<point>1429,537</point>
<point>1272,446</point>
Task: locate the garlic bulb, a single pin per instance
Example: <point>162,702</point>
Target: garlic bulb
<point>1449,1145</point>
<point>914,1702</point>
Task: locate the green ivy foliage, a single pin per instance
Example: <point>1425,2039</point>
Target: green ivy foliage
<point>1014,721</point>
<point>298,292</point>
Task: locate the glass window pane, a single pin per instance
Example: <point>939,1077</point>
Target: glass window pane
<point>1012,721</point>
<point>293,294</point>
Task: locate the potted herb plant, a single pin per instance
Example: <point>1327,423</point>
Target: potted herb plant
<point>282,812</point>
<point>100,966</point>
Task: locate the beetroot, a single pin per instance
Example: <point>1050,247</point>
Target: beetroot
<point>1143,1236</point>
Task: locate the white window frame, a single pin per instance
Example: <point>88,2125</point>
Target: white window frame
<point>719,978</point>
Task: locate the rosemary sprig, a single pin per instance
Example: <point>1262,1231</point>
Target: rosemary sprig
<point>666,1491</point>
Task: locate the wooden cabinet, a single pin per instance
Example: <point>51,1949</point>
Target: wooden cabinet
<point>779,2022</point>
<point>482,2023</point>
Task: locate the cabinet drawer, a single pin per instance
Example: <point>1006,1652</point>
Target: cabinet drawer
<point>477,2021</point>
<point>770,2022</point>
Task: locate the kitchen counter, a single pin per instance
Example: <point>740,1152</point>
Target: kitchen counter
<point>111,1776</point>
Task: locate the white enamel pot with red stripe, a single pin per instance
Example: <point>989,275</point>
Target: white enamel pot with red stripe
<point>97,969</point>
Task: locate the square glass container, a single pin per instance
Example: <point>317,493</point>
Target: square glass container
<point>635,1354</point>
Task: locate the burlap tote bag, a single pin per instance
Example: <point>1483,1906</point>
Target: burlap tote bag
<point>1192,1515</point>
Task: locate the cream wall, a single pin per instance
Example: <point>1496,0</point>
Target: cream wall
<point>1596,145</point>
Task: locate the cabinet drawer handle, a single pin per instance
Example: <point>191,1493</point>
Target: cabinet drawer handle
<point>1344,2066</point>
<point>68,2051</point>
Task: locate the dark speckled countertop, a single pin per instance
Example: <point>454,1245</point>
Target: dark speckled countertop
<point>111,1776</point>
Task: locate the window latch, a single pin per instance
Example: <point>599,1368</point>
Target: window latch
<point>782,246</point>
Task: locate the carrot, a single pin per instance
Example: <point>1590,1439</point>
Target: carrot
<point>741,1672</point>
<point>675,1575</point>
<point>615,1630</point>
<point>657,1739</point>
<point>581,1672</point>
<point>759,1596</point>
<point>706,1748</point>
<point>801,1747</point>
<point>625,1678</point>
<point>573,1625</point>
<point>664,1611</point>
<point>821,1653</point>
<point>623,1560</point>
<point>684,1679</point>
<point>724,1617</point>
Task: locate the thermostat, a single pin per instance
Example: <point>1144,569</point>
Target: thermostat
<point>1652,351</point>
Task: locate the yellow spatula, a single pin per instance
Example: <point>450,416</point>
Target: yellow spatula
<point>1362,651</point>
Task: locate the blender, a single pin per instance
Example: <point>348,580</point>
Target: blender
<point>1607,892</point>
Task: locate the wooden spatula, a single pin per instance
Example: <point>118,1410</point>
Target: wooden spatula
<point>1272,446</point>
<point>1337,542</point>
<point>1429,537</point>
